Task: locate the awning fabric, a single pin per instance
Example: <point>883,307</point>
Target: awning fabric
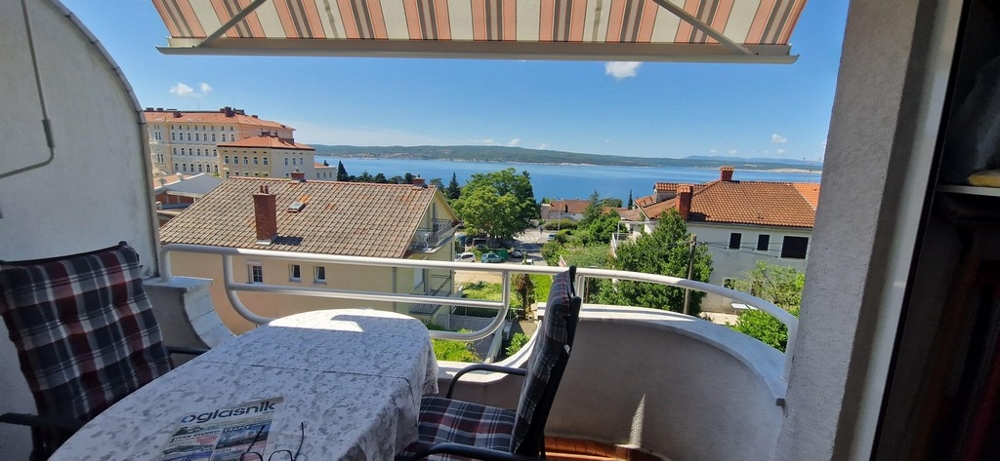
<point>620,30</point>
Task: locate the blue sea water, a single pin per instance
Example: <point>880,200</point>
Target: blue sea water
<point>563,181</point>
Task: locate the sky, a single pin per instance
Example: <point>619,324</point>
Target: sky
<point>779,111</point>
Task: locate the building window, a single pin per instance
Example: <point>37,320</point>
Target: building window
<point>175,151</point>
<point>734,240</point>
<point>255,272</point>
<point>286,161</point>
<point>199,152</point>
<point>794,247</point>
<point>320,274</point>
<point>215,153</point>
<point>256,161</point>
<point>763,241</point>
<point>189,136</point>
<point>183,151</point>
<point>246,160</point>
<point>172,137</point>
<point>213,135</point>
<point>196,137</point>
<point>265,161</point>
<point>199,168</point>
<point>227,174</point>
<point>185,166</point>
<point>225,160</point>
<point>232,137</point>
<point>175,167</point>
<point>216,168</point>
<point>295,272</point>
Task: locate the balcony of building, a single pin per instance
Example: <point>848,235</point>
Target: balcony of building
<point>429,239</point>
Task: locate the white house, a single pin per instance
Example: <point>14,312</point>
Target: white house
<point>741,222</point>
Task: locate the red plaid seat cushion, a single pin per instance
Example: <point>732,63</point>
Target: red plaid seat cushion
<point>445,420</point>
<point>83,328</point>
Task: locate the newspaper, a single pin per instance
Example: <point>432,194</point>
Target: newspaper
<point>223,434</point>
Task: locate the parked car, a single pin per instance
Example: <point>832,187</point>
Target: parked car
<point>516,254</point>
<point>465,256</point>
<point>491,257</point>
<point>551,237</point>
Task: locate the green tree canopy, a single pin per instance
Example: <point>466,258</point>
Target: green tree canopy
<point>342,172</point>
<point>454,190</point>
<point>665,251</point>
<point>782,286</point>
<point>499,204</point>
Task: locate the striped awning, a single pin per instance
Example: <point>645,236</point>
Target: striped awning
<point>619,30</point>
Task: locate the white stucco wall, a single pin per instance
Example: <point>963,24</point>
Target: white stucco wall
<point>734,263</point>
<point>94,194</point>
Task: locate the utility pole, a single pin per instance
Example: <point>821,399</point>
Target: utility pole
<point>687,292</point>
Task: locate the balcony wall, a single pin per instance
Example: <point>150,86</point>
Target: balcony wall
<point>673,385</point>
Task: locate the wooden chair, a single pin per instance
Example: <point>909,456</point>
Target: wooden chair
<point>85,337</point>
<point>455,429</point>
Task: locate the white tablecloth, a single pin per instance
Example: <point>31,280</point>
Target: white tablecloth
<point>355,377</point>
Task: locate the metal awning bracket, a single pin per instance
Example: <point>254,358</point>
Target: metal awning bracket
<point>232,22</point>
<point>701,26</point>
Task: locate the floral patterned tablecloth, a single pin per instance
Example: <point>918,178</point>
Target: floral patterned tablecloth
<point>355,377</point>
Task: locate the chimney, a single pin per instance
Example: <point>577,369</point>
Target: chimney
<point>418,182</point>
<point>228,111</point>
<point>684,193</point>
<point>265,214</point>
<point>298,176</point>
<point>177,114</point>
<point>726,173</point>
<point>149,109</point>
<point>159,109</point>
<point>254,116</point>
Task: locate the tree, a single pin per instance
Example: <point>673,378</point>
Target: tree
<point>665,251</point>
<point>593,210</point>
<point>780,285</point>
<point>525,290</point>
<point>380,178</point>
<point>454,190</point>
<point>630,202</point>
<point>342,172</point>
<point>407,178</point>
<point>326,163</point>
<point>436,182</point>
<point>499,204</point>
<point>365,177</point>
<point>611,202</point>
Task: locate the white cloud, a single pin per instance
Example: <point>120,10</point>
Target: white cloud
<point>185,91</point>
<point>487,141</point>
<point>621,69</point>
<point>780,151</point>
<point>778,139</point>
<point>732,151</point>
<point>181,90</point>
<point>543,146</point>
<point>514,142</point>
<point>713,151</point>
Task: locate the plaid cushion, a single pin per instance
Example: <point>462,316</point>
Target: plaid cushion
<point>550,347</point>
<point>83,328</point>
<point>454,421</point>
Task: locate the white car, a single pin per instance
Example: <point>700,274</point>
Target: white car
<point>465,256</point>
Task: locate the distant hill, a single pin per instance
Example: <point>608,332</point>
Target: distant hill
<point>504,154</point>
<point>786,161</point>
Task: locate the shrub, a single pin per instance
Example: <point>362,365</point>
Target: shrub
<point>516,343</point>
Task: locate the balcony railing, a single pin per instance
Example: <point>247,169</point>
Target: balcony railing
<point>430,239</point>
<point>506,271</point>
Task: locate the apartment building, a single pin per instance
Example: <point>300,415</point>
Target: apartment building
<point>268,156</point>
<point>187,141</point>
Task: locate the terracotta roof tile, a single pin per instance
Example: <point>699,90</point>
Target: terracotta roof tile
<point>570,206</point>
<point>809,191</point>
<point>272,142</point>
<point>354,219</point>
<point>210,117</point>
<point>747,202</point>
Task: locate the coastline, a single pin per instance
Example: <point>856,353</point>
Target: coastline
<point>744,167</point>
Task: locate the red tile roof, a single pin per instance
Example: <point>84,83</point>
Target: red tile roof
<point>272,142</point>
<point>213,117</point>
<point>760,203</point>
<point>570,206</point>
<point>342,218</point>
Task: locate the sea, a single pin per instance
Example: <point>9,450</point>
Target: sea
<point>561,182</point>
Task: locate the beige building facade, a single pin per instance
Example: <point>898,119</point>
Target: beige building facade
<point>265,157</point>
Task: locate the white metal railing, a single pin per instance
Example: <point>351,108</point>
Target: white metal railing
<point>506,271</point>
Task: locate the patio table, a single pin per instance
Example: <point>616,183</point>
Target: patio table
<point>354,377</point>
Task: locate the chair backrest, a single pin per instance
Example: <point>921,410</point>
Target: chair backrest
<point>83,328</point>
<point>549,357</point>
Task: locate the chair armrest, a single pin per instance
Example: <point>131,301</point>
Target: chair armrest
<point>49,422</point>
<point>484,367</point>
<point>185,350</point>
<point>469,452</point>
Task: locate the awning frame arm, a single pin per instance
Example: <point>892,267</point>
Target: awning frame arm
<point>701,26</point>
<point>231,23</point>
